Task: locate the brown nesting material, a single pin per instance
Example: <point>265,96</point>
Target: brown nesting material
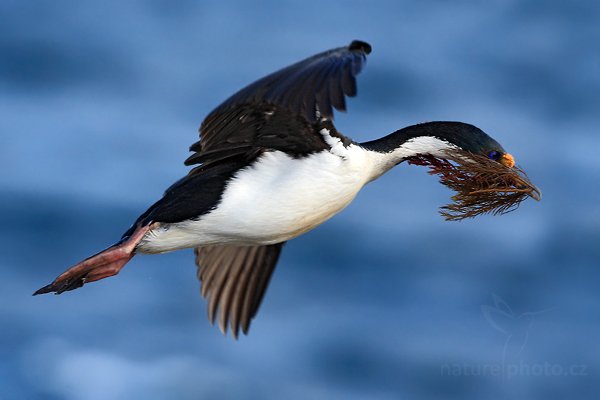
<point>482,185</point>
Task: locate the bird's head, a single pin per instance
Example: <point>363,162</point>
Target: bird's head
<point>439,139</point>
<point>468,161</point>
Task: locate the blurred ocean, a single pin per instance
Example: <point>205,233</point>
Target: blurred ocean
<point>99,102</point>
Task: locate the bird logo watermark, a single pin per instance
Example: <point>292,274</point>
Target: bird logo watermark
<point>515,329</point>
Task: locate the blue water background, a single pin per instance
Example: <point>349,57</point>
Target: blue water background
<point>99,102</point>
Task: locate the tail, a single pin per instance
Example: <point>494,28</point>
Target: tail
<point>102,265</point>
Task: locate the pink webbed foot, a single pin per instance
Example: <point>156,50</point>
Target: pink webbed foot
<point>102,265</point>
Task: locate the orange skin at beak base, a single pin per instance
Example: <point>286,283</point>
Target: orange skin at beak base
<point>507,160</point>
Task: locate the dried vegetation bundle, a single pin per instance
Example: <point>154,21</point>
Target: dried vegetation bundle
<point>482,185</point>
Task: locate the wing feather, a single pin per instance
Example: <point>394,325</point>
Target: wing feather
<point>234,280</point>
<point>288,100</point>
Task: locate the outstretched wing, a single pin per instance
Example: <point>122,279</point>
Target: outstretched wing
<point>282,110</point>
<point>234,280</point>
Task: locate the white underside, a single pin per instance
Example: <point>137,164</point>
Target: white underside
<point>278,198</point>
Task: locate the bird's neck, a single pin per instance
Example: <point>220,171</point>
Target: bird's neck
<point>396,147</point>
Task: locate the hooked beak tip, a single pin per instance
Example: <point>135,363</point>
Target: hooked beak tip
<point>536,193</point>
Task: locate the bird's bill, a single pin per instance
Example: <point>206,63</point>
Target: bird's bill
<point>507,160</point>
<point>535,193</point>
<point>532,191</point>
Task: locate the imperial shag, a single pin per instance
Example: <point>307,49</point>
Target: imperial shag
<point>270,166</point>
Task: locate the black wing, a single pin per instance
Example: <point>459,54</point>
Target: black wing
<point>234,280</point>
<point>281,111</point>
<point>277,112</point>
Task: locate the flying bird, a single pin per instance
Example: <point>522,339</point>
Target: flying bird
<point>269,166</point>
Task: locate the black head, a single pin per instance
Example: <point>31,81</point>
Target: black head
<point>435,137</point>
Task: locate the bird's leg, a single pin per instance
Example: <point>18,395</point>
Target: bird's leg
<point>102,265</point>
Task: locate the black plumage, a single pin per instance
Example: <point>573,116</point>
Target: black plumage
<point>465,136</point>
<point>281,111</point>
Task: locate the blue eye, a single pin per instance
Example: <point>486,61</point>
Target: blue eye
<point>494,155</point>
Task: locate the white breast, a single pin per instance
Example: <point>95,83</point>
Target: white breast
<point>275,199</point>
